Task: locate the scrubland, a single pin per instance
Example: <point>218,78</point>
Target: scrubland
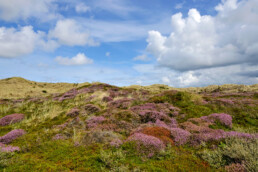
<point>100,127</point>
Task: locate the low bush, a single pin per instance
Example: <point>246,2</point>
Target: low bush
<point>5,159</point>
<point>234,151</point>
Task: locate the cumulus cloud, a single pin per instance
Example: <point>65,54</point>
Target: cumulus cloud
<point>203,41</point>
<point>187,79</point>
<point>71,33</point>
<point>82,8</point>
<point>23,40</point>
<point>17,42</point>
<point>23,9</point>
<point>165,79</point>
<point>143,57</point>
<point>79,59</point>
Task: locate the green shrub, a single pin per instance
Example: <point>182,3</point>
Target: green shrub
<point>5,159</point>
<point>234,150</point>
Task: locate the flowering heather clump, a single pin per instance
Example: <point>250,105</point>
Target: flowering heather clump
<point>59,137</point>
<point>61,126</point>
<point>171,124</point>
<point>223,118</point>
<point>158,132</point>
<point>68,95</point>
<point>226,101</point>
<point>152,116</point>
<point>12,135</point>
<point>10,119</point>
<point>146,106</point>
<point>107,99</point>
<point>241,135</point>
<point>95,121</point>
<point>121,103</point>
<point>96,87</point>
<point>147,144</point>
<point>8,148</point>
<point>90,108</point>
<point>116,143</point>
<point>211,135</point>
<point>151,112</point>
<point>180,136</point>
<point>84,90</point>
<point>73,113</point>
<point>235,168</point>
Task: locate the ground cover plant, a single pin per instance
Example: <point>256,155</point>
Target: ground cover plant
<point>100,127</point>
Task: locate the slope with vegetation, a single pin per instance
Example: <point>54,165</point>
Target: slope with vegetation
<point>100,127</point>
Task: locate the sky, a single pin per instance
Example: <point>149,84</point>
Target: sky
<point>130,42</point>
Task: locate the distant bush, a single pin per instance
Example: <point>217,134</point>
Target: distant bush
<point>98,136</point>
<point>234,151</point>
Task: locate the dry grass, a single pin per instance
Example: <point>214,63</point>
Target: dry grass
<point>15,88</point>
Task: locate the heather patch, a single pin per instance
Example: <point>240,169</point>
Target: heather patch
<point>223,118</point>
<point>123,103</point>
<point>159,132</point>
<point>94,121</point>
<point>107,99</point>
<point>12,135</point>
<point>73,113</point>
<point>235,167</point>
<point>180,136</point>
<point>8,148</point>
<point>90,108</point>
<point>146,144</point>
<point>10,119</point>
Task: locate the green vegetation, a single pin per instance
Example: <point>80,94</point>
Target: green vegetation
<point>94,136</point>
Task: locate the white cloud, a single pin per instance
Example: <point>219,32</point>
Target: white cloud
<point>22,9</point>
<point>234,74</point>
<point>118,7</point>
<point>82,8</point>
<point>17,42</point>
<point>187,79</point>
<point>23,40</point>
<point>117,31</point>
<point>198,42</point>
<point>143,57</point>
<point>165,79</point>
<point>70,32</point>
<point>179,5</point>
<point>79,59</point>
<point>107,54</point>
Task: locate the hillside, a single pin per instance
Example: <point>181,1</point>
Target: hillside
<point>100,127</point>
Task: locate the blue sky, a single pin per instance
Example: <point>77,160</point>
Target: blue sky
<point>126,42</point>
